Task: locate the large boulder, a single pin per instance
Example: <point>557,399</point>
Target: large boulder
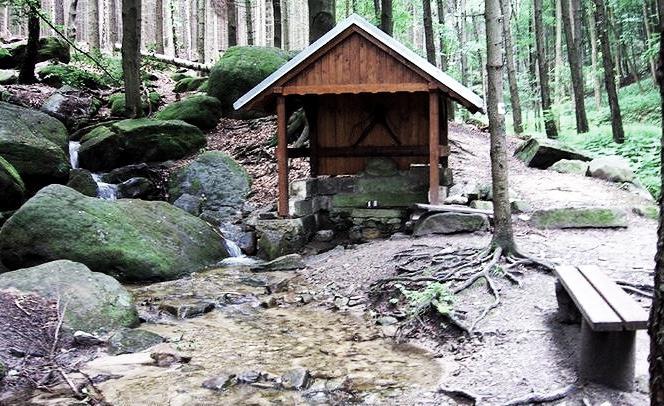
<point>199,110</point>
<point>118,103</point>
<point>189,84</point>
<point>92,301</point>
<point>240,69</point>
<point>217,180</point>
<point>596,217</point>
<point>612,168</point>
<point>541,154</point>
<point>8,76</point>
<point>570,166</point>
<point>82,181</point>
<point>12,189</point>
<point>132,240</point>
<point>49,48</point>
<point>136,141</point>
<point>61,75</point>
<point>35,144</point>
<point>451,223</point>
<point>71,106</point>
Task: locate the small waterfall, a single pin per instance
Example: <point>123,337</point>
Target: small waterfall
<point>233,249</point>
<point>105,191</point>
<point>74,146</point>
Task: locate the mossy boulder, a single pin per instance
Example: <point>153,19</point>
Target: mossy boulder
<point>138,140</point>
<point>199,110</point>
<point>131,240</point>
<point>219,181</point>
<point>240,69</point>
<point>189,84</point>
<point>72,106</point>
<point>81,180</point>
<point>612,168</point>
<point>60,75</point>
<point>118,104</point>
<point>35,144</point>
<point>49,48</point>
<point>12,189</point>
<point>451,223</point>
<point>93,302</point>
<point>570,166</point>
<point>579,218</point>
<point>8,76</point>
<point>178,76</point>
<point>541,154</point>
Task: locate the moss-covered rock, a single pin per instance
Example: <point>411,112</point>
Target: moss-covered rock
<point>650,211</point>
<point>35,144</point>
<point>451,223</point>
<point>94,302</point>
<point>612,168</point>
<point>72,106</point>
<point>60,75</point>
<point>178,76</point>
<point>49,48</point>
<point>131,240</point>
<point>240,69</point>
<point>128,341</point>
<point>570,166</point>
<point>118,104</point>
<point>579,218</point>
<point>12,189</point>
<point>138,140</point>
<point>81,180</point>
<point>189,84</point>
<point>541,154</point>
<point>221,183</point>
<point>199,110</point>
<point>8,76</point>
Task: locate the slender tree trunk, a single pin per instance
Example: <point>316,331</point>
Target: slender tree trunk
<point>609,73</point>
<point>386,21</point>
<point>58,12</point>
<point>159,26</point>
<point>549,121</point>
<point>463,41</point>
<point>503,235</point>
<point>511,69</point>
<point>428,31</point>
<point>532,70</point>
<point>597,84</point>
<point>131,56</point>
<point>656,324</point>
<point>377,11</point>
<point>558,91</point>
<point>200,30</point>
<point>250,23</point>
<point>646,25</point>
<point>276,15</point>
<point>93,24</point>
<point>573,37</point>
<point>174,29</point>
<point>480,55</point>
<point>232,22</point>
<point>444,54</point>
<point>321,18</point>
<point>71,24</point>
<point>27,72</point>
<point>285,26</point>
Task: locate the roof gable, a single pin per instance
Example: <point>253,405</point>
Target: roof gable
<point>323,61</point>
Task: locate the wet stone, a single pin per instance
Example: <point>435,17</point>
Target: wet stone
<point>186,309</point>
<point>296,379</point>
<point>284,263</point>
<point>86,339</point>
<point>129,341</point>
<point>164,356</point>
<point>221,382</point>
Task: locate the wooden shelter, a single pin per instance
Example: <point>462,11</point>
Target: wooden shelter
<point>364,95</point>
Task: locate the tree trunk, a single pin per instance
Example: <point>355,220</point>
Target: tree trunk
<point>131,56</point>
<point>93,24</point>
<point>444,54</point>
<point>609,73</point>
<point>377,11</point>
<point>463,41</point>
<point>532,71</point>
<point>386,21</point>
<point>276,15</point>
<point>321,18</point>
<point>159,26</point>
<point>656,324</point>
<point>597,84</point>
<point>231,14</point>
<point>58,13</point>
<point>503,236</point>
<point>27,73</point>
<point>249,22</point>
<point>174,30</point>
<point>428,31</point>
<point>646,25</point>
<point>549,120</point>
<point>71,32</point>
<point>573,38</point>
<point>200,30</point>
<point>558,67</point>
<point>511,69</point>
<point>285,24</point>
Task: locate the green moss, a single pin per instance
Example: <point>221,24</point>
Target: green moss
<point>384,199</point>
<point>178,76</point>
<point>59,75</point>
<point>118,104</point>
<point>199,110</point>
<point>189,84</point>
<point>649,211</point>
<point>12,188</point>
<point>579,218</point>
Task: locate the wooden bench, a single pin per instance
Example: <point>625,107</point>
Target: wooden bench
<point>608,329</point>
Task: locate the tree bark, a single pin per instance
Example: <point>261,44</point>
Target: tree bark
<point>646,25</point>
<point>231,14</point>
<point>131,56</point>
<point>656,324</point>
<point>597,84</point>
<point>27,72</point>
<point>549,120</point>
<point>377,11</point>
<point>462,41</point>
<point>285,25</point>
<point>558,65</point>
<point>321,18</point>
<point>444,50</point>
<point>174,29</point>
<point>58,12</point>
<point>200,30</point>
<point>276,15</point>
<point>386,20</point>
<point>71,23</point>
<point>159,26</point>
<point>609,73</point>
<point>503,235</point>
<point>515,100</point>
<point>93,24</point>
<point>573,39</point>
<point>428,32</point>
<point>532,71</point>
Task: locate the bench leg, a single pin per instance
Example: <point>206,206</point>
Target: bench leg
<point>567,311</point>
<point>607,357</point>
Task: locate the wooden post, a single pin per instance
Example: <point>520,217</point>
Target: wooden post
<point>434,147</point>
<point>444,107</point>
<point>282,156</point>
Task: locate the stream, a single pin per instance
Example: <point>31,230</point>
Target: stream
<point>348,357</point>
<point>106,191</point>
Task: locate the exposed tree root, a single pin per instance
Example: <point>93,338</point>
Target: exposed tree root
<point>461,393</point>
<point>542,397</point>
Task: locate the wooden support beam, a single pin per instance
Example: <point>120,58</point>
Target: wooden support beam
<point>447,208</point>
<point>350,152</point>
<point>434,147</point>
<point>356,88</point>
<point>444,141</point>
<point>282,156</point>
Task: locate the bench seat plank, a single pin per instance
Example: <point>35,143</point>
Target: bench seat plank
<point>632,314</point>
<point>599,315</point>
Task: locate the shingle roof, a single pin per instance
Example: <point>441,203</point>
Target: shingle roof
<point>457,91</point>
